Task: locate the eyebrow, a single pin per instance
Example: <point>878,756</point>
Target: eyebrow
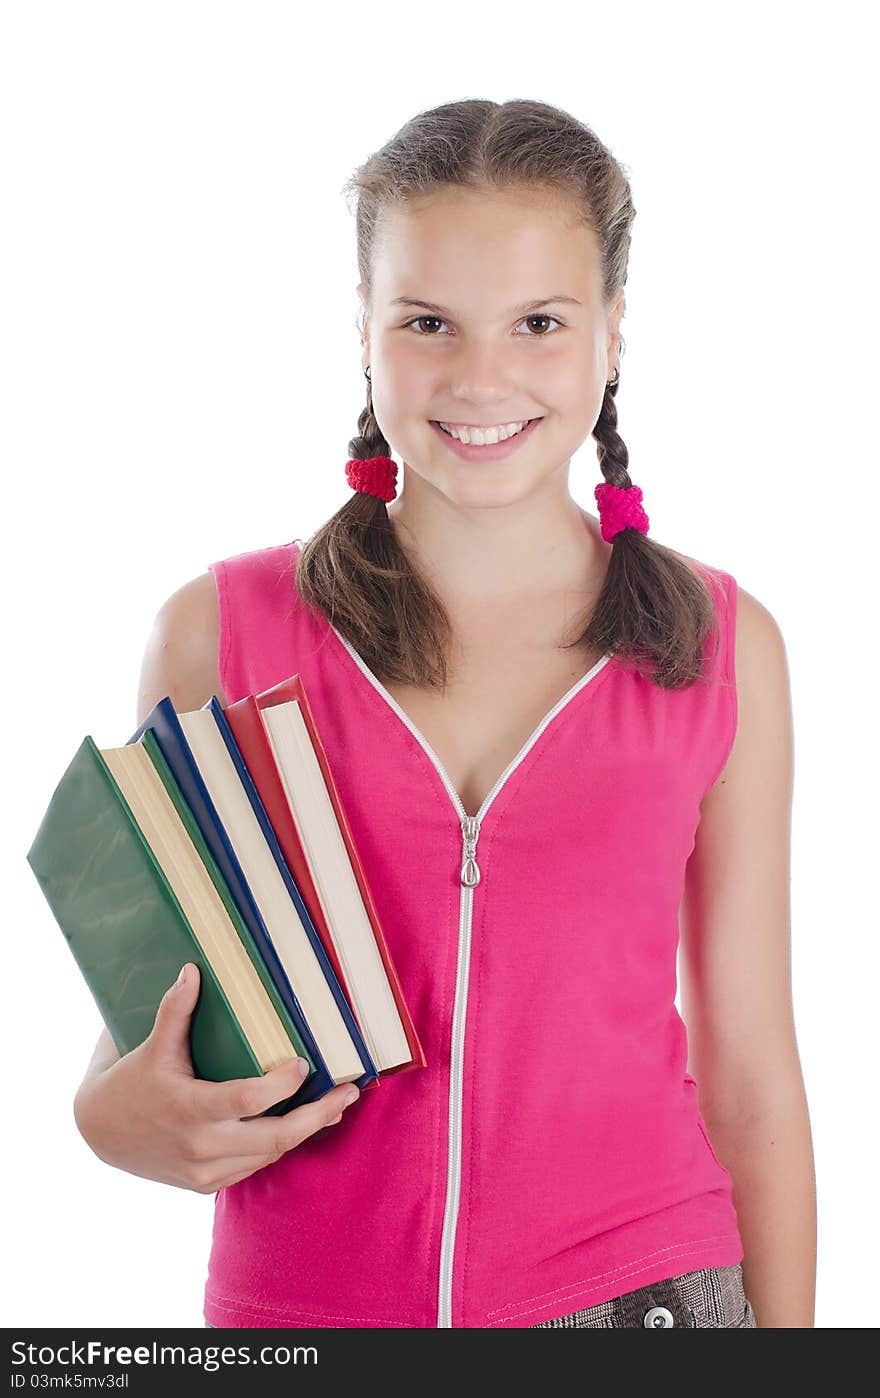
<point>517,310</point>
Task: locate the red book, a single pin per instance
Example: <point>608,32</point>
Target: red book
<point>250,733</point>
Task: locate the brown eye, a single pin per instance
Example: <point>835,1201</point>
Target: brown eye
<point>418,319</point>
<point>539,317</point>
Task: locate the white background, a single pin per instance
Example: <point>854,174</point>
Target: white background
<point>181,376</point>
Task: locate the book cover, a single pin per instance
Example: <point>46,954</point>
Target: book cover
<point>123,923</point>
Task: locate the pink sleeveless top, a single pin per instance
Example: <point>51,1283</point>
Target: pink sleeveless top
<point>551,1155</point>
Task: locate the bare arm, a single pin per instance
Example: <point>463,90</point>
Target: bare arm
<point>105,1053</point>
<point>736,986</point>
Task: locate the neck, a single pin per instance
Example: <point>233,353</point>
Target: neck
<point>543,543</point>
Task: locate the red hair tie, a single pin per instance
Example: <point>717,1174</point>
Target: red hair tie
<point>376,475</point>
<point>620,507</point>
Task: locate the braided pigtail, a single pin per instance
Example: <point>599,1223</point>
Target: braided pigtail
<point>653,609</point>
<point>355,571</point>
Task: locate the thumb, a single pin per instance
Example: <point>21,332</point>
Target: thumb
<point>170,1033</point>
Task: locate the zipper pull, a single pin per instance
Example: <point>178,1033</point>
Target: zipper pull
<point>470,871</point>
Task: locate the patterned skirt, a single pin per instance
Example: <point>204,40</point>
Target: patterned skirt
<point>711,1298</point>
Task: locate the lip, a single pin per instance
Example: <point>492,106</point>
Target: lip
<point>496,451</point>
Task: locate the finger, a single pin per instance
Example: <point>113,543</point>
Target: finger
<point>169,1037</point>
<point>245,1097</point>
<point>269,1137</point>
<point>231,1171</point>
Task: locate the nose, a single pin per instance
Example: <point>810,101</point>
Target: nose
<point>480,377</point>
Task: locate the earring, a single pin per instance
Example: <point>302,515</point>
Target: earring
<point>367,374</point>
<point>616,379</point>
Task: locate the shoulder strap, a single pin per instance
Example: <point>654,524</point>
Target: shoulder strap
<point>722,668</point>
<point>256,593</point>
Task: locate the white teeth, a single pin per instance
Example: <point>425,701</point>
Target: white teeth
<point>484,436</point>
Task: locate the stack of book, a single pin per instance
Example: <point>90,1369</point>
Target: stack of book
<point>218,837</point>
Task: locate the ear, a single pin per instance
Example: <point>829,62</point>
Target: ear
<point>364,328</point>
<point>615,315</point>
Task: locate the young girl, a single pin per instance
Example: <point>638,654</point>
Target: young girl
<point>564,750</point>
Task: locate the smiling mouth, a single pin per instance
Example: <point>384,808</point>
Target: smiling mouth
<point>527,423</point>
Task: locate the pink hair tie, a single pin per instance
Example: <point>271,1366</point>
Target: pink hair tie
<point>620,507</point>
<point>376,475</point>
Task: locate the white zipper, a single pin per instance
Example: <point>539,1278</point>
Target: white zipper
<point>470,876</point>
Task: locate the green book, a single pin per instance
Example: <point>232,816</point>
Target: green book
<point>126,928</point>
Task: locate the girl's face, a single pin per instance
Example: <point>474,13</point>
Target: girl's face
<point>474,355</point>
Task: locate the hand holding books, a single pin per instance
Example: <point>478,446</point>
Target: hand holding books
<point>218,838</point>
<point>148,1114</point>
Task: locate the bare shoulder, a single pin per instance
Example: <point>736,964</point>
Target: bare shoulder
<point>181,658</point>
<point>756,623</point>
<point>762,675</point>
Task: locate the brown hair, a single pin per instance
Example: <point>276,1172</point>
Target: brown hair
<point>654,610</point>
